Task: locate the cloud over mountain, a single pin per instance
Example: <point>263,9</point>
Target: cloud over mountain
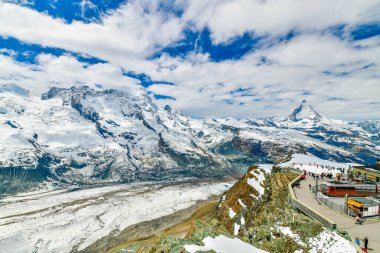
<point>224,58</point>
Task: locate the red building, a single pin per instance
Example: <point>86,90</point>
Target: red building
<point>340,190</point>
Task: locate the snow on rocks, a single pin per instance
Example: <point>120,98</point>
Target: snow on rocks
<point>242,195</point>
<point>223,244</point>
<point>257,181</point>
<point>241,203</point>
<point>327,241</point>
<point>121,132</point>
<point>236,229</point>
<point>314,164</point>
<point>288,232</point>
<point>231,213</point>
<point>330,241</point>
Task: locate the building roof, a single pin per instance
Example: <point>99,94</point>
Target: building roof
<point>373,167</point>
<point>364,201</point>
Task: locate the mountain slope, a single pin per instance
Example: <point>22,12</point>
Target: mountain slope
<point>100,135</point>
<point>80,135</point>
<point>256,210</point>
<point>357,138</point>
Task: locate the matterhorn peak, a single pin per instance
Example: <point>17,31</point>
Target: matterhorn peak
<point>304,112</point>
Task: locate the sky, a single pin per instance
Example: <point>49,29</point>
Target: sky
<point>215,58</point>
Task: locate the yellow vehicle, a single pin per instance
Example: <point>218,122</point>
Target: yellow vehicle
<point>354,205</point>
<point>364,206</point>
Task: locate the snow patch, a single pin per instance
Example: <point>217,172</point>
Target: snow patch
<point>231,213</point>
<point>257,180</point>
<point>236,228</point>
<point>288,232</point>
<point>241,203</point>
<point>223,244</point>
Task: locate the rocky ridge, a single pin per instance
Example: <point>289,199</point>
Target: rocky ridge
<point>85,136</point>
<point>266,221</point>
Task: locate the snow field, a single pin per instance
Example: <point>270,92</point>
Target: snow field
<point>223,244</point>
<point>314,164</point>
<point>59,222</point>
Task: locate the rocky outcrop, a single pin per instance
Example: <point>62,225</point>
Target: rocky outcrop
<point>240,198</point>
<point>256,210</point>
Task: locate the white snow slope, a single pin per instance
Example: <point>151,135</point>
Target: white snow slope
<point>83,135</point>
<point>314,164</point>
<point>223,244</point>
<point>59,221</point>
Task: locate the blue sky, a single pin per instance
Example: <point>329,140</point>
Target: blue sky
<point>222,58</point>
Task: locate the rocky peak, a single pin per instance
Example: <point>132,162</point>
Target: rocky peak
<point>304,112</point>
<point>66,94</point>
<point>146,102</point>
<point>168,108</point>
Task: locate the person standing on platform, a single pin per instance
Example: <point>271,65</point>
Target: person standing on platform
<point>365,241</point>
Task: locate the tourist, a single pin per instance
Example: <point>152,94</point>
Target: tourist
<point>365,243</point>
<point>357,241</point>
<point>357,219</point>
<point>309,186</point>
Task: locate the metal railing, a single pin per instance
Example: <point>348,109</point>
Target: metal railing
<point>341,208</point>
<point>307,210</point>
<point>330,203</point>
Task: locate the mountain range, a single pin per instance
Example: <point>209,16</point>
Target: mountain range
<point>81,135</point>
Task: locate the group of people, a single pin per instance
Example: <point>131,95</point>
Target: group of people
<point>328,175</point>
<point>330,168</point>
<point>323,175</point>
<point>365,242</point>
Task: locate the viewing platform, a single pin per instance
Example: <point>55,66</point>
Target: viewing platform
<point>333,219</point>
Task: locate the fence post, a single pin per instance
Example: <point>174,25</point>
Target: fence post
<point>316,187</point>
<point>345,203</point>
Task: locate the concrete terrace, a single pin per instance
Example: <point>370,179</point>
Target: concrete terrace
<point>371,229</point>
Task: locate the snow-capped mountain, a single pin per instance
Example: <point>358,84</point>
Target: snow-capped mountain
<point>359,138</point>
<point>372,127</point>
<point>80,134</point>
<point>83,135</point>
<point>304,115</point>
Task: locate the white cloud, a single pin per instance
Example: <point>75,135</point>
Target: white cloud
<point>64,71</point>
<point>294,69</point>
<point>227,19</point>
<point>125,36</point>
<point>296,73</point>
